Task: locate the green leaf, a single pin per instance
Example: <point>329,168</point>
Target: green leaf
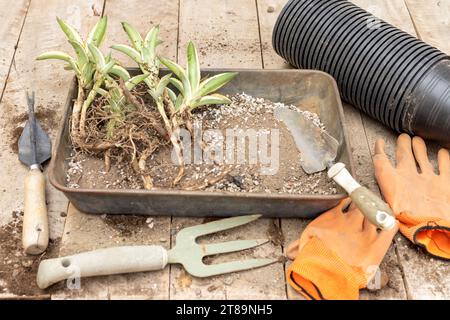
<point>211,99</point>
<point>180,73</point>
<point>108,57</point>
<point>87,72</point>
<point>193,66</point>
<point>97,33</point>
<point>132,53</point>
<point>149,47</point>
<point>70,32</point>
<point>163,83</point>
<point>133,82</point>
<point>177,84</point>
<point>178,102</point>
<point>214,83</point>
<point>59,55</point>
<point>133,35</point>
<point>98,57</point>
<point>151,39</point>
<point>107,67</point>
<point>82,56</point>
<point>172,95</point>
<point>101,92</point>
<point>120,72</point>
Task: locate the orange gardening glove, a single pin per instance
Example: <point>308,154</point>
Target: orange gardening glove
<point>420,200</point>
<point>337,254</point>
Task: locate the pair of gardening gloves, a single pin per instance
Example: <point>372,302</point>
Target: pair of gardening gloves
<point>340,251</point>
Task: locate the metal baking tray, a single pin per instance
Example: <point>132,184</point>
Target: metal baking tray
<point>287,86</point>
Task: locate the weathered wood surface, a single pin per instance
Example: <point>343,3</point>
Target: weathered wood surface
<point>231,33</point>
<point>10,29</point>
<point>49,80</point>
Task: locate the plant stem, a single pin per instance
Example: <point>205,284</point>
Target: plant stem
<point>87,103</point>
<point>76,110</point>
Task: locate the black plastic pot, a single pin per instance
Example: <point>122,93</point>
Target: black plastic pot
<point>389,74</point>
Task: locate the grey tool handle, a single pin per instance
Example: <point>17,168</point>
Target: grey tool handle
<point>35,221</point>
<point>101,262</point>
<point>371,205</point>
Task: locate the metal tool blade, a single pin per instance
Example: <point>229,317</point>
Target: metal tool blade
<point>317,148</point>
<point>35,146</point>
<point>190,254</point>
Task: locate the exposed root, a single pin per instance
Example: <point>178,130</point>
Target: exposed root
<point>179,176</point>
<point>175,137</point>
<point>134,135</point>
<point>147,181</point>
<point>209,182</point>
<point>108,160</point>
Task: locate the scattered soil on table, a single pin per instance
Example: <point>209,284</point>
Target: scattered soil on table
<point>15,136</point>
<point>253,116</point>
<point>46,116</point>
<point>18,270</point>
<point>127,225</point>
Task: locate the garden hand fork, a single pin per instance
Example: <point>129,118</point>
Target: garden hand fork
<point>129,259</point>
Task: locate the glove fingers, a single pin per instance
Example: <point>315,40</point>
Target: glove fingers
<point>404,155</point>
<point>420,153</point>
<point>444,163</point>
<point>381,160</point>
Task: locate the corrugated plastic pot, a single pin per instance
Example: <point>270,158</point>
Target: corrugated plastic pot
<point>387,73</point>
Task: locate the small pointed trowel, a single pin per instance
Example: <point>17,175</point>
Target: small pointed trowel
<point>319,151</point>
<point>34,149</point>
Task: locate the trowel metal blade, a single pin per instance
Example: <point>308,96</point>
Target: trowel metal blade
<point>43,145</point>
<point>317,148</point>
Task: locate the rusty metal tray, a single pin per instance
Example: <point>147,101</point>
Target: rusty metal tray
<point>287,86</point>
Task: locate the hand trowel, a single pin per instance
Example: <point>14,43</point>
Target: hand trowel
<point>34,149</point>
<point>319,151</point>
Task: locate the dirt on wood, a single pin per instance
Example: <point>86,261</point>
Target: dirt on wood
<point>245,115</point>
<point>46,116</point>
<point>18,270</point>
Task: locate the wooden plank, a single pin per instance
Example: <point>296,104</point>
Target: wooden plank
<point>432,22</point>
<point>12,22</point>
<point>425,277</point>
<point>87,232</point>
<point>50,81</point>
<point>227,36</point>
<point>268,12</point>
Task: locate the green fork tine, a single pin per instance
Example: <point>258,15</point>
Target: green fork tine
<point>190,254</point>
<point>214,226</point>
<point>231,246</point>
<point>202,270</point>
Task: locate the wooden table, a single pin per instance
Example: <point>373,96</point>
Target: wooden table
<point>229,33</point>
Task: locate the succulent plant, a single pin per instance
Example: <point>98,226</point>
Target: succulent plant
<point>82,64</point>
<point>117,104</point>
<point>194,91</point>
<point>143,51</point>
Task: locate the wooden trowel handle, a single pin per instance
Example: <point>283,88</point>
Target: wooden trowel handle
<point>35,221</point>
